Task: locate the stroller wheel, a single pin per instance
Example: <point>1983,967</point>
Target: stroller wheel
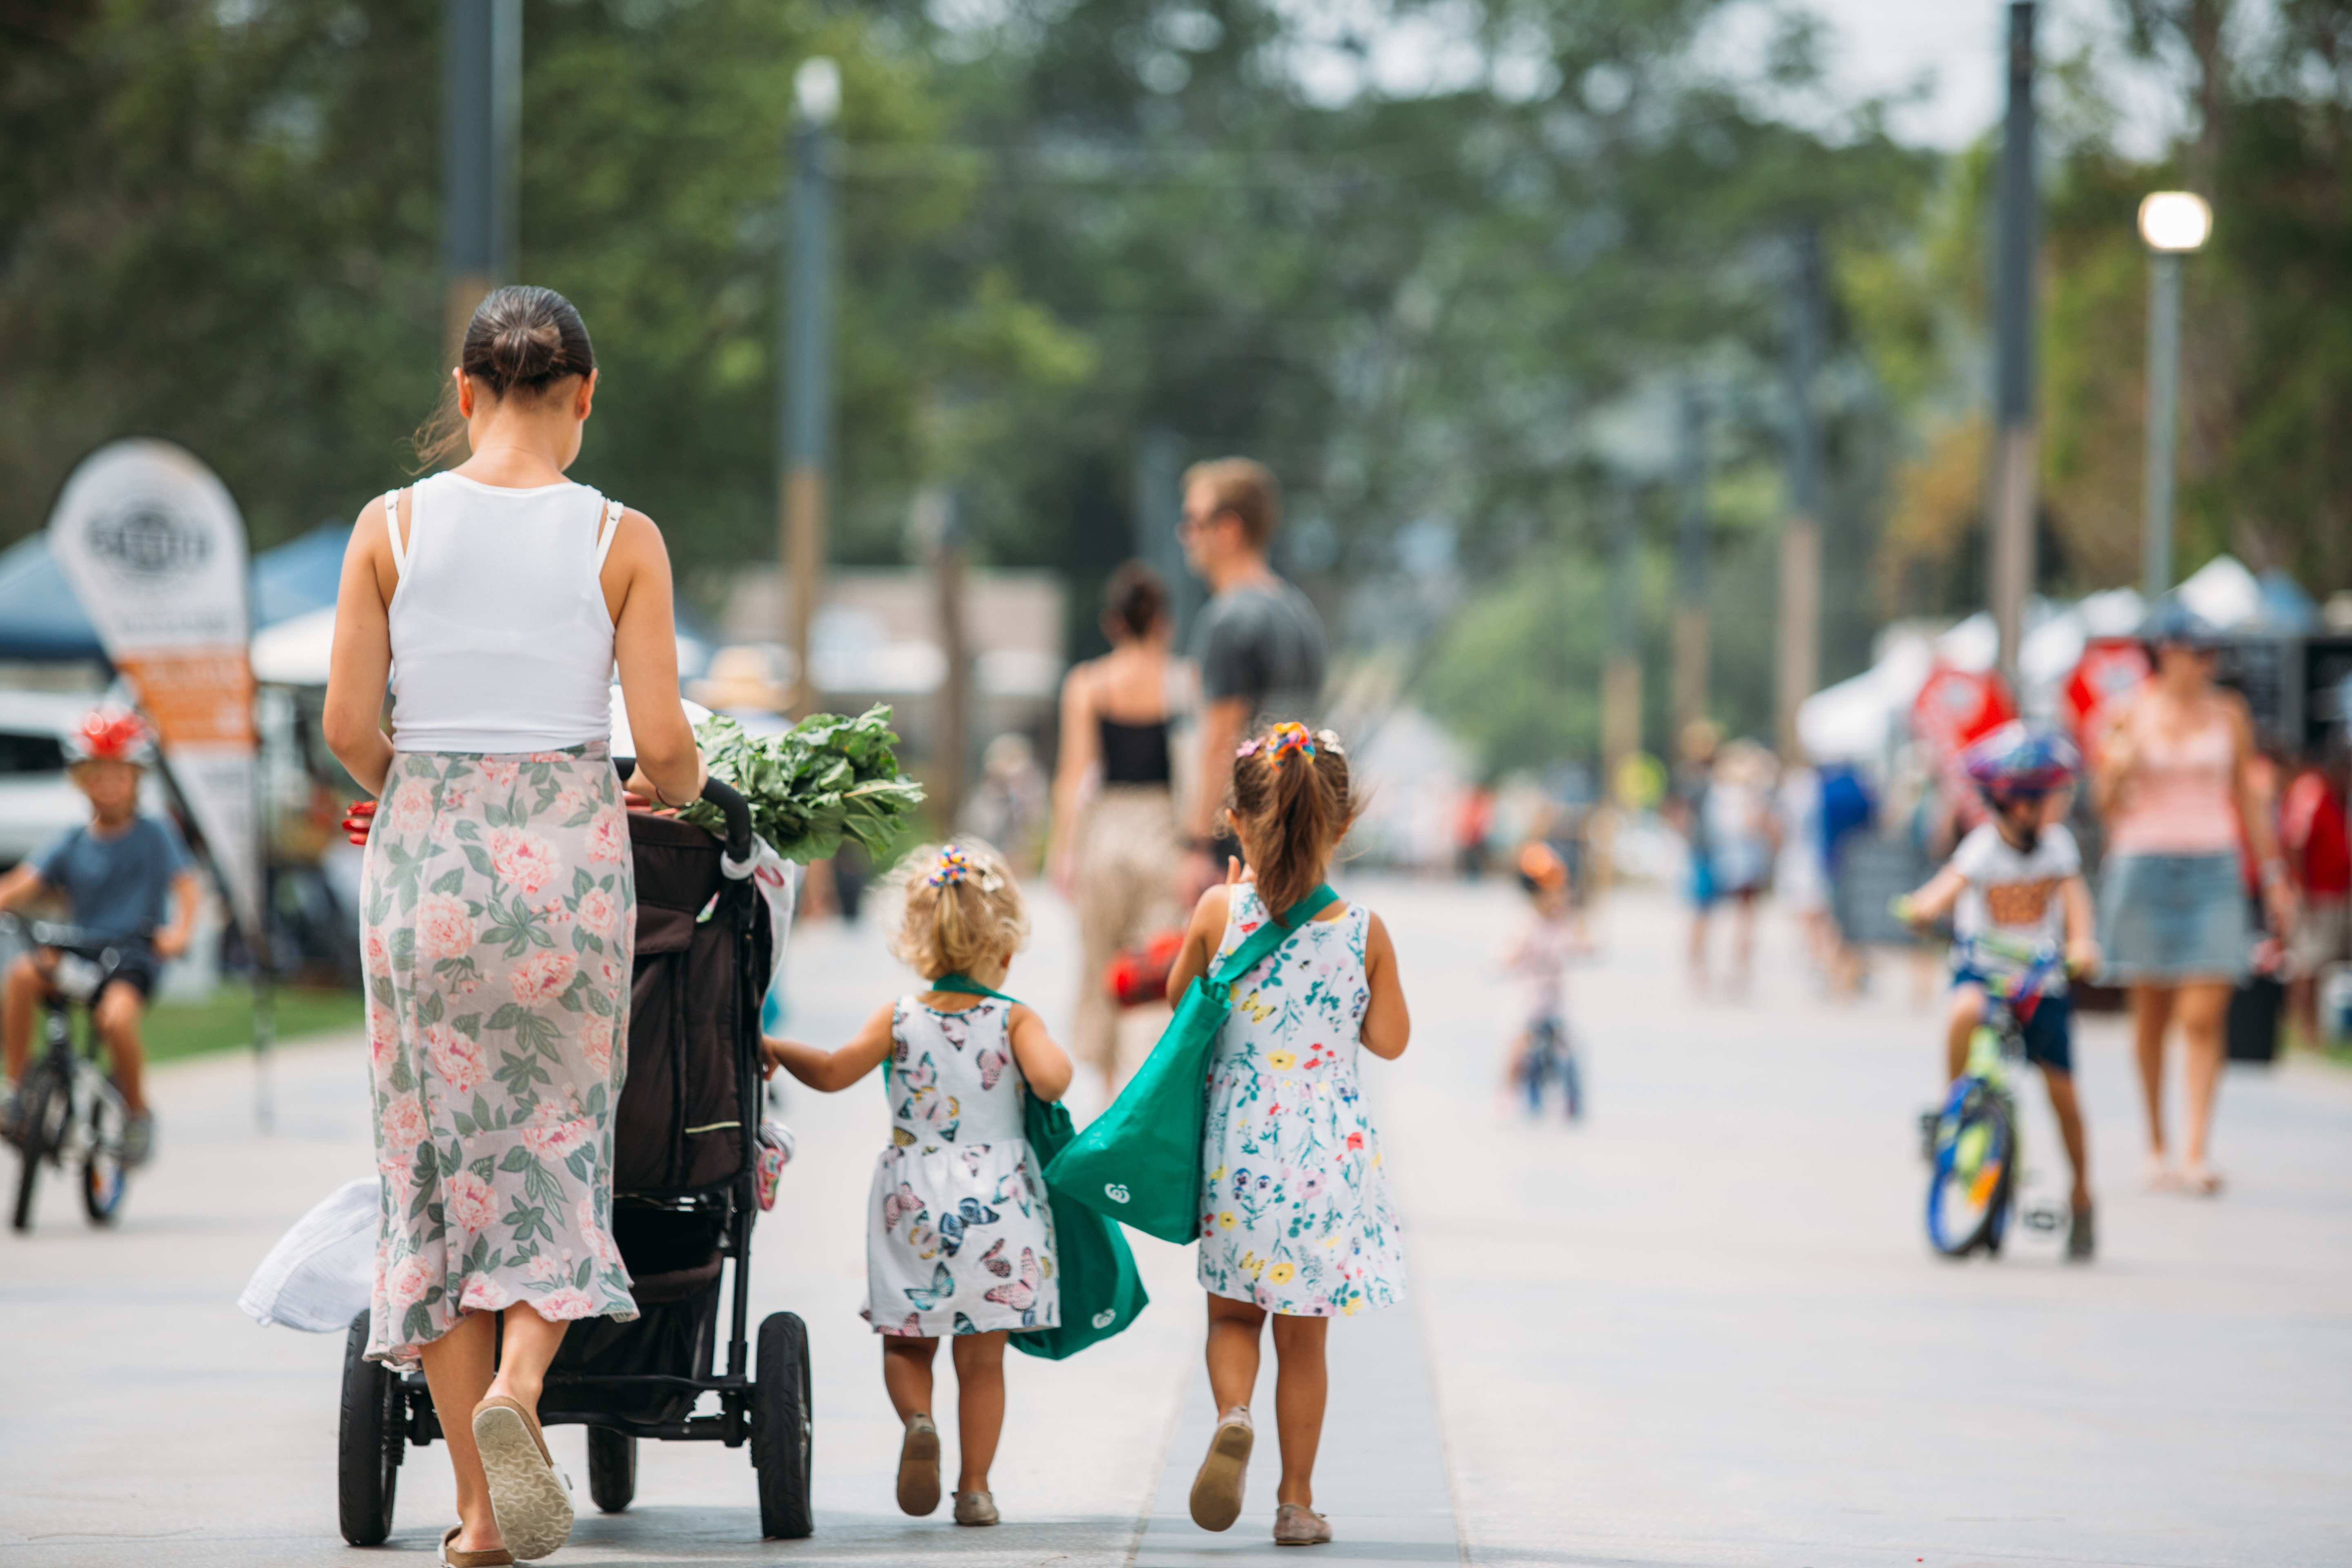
<point>368,1453</point>
<point>781,1429</point>
<point>612,1468</point>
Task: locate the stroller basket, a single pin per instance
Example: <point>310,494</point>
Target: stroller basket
<point>683,1151</point>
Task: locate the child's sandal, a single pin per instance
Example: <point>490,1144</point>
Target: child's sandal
<point>1217,1489</point>
<point>919,1468</point>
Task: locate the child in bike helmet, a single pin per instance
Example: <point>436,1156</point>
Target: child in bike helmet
<point>2019,876</point>
<point>120,873</point>
<point>1536,964</point>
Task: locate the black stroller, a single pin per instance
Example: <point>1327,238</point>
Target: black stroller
<point>684,1200</point>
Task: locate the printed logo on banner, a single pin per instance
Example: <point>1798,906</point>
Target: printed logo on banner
<point>143,542</point>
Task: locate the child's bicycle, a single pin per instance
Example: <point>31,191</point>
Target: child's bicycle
<point>1974,1149</point>
<point>68,1112</point>
<point>1551,1058</point>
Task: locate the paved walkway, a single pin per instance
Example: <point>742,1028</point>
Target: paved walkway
<point>1700,1329</point>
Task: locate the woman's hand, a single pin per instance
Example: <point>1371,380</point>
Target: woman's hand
<point>2279,903</point>
<point>358,817</point>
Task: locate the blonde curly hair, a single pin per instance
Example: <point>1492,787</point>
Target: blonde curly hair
<point>959,909</point>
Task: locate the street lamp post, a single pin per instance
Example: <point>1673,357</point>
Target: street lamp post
<point>2172,223</point>
<point>805,406</point>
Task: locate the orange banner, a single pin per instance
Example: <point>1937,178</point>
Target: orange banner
<point>197,697</point>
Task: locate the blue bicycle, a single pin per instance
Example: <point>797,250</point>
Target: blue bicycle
<point>68,1113</point>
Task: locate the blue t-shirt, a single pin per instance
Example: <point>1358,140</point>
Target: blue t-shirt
<point>121,887</point>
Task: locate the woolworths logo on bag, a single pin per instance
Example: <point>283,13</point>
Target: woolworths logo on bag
<point>1106,1317</point>
<point>1115,1191</point>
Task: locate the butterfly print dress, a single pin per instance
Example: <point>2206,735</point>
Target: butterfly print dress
<point>960,1239</point>
<point>1294,1213</point>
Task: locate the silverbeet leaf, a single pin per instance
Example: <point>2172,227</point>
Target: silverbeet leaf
<point>826,779</point>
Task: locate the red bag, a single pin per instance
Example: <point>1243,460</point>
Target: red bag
<point>1136,976</point>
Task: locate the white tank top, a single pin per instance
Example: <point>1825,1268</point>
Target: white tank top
<point>501,637</point>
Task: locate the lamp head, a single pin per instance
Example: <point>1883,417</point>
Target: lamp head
<point>2175,221</point>
<point>816,90</point>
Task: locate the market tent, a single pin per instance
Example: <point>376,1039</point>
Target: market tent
<point>299,575</point>
<point>40,619</point>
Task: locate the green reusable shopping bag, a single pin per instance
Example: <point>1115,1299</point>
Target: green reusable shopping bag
<point>1140,1162</point>
<point>1102,1292</point>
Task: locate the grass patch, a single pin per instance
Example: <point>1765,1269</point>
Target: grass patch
<point>224,1023</point>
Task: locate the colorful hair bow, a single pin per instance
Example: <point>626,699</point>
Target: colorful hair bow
<point>954,865</point>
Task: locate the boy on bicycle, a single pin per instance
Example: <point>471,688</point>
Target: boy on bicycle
<point>2018,877</point>
<point>1536,965</point>
<point>118,872</point>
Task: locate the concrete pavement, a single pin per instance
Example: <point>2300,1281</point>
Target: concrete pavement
<point>1702,1328</point>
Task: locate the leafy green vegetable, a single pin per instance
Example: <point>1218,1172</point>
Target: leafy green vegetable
<point>825,779</point>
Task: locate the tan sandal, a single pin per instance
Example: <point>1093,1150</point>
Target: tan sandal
<point>1217,1489</point>
<point>497,1557</point>
<point>919,1467</point>
<point>531,1497</point>
<point>975,1507</point>
<point>1295,1524</point>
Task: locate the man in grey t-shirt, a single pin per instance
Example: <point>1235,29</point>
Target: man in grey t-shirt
<point>1258,642</point>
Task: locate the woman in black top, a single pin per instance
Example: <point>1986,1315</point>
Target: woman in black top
<point>1114,847</point>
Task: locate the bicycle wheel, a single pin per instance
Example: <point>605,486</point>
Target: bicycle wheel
<point>102,1171</point>
<point>1969,1192</point>
<point>42,1104</point>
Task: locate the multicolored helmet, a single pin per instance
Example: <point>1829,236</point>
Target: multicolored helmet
<point>2021,761</point>
<point>112,735</point>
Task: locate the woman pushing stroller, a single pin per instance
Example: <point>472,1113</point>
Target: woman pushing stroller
<point>496,902</point>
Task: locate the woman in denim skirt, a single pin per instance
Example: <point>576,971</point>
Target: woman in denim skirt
<point>2175,787</point>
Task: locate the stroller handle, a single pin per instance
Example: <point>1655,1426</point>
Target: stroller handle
<point>738,811</point>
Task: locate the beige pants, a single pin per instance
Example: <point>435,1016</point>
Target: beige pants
<point>1127,892</point>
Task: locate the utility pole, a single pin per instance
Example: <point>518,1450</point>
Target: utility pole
<point>1620,681</point>
<point>2010,567</point>
<point>482,128</point>
<point>1690,570</point>
<point>806,404</point>
<point>2173,224</point>
<point>1799,659</point>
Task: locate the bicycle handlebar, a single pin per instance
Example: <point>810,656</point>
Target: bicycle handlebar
<point>2042,961</point>
<point>51,933</point>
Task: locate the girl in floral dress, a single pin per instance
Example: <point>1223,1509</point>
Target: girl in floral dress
<point>959,1237</point>
<point>1296,1221</point>
<point>498,897</point>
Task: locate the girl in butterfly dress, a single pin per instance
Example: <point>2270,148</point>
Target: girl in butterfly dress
<point>960,1239</point>
<point>1296,1221</point>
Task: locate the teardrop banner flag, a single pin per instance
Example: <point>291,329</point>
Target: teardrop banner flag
<point>155,550</point>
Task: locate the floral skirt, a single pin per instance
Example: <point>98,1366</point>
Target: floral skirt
<point>498,918</point>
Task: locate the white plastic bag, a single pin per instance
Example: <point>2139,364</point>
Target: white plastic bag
<point>321,1273</point>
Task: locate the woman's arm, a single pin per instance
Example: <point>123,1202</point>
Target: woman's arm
<point>2119,755</point>
<point>2253,810</point>
<point>1080,746</point>
<point>361,664</point>
<point>1044,1064</point>
<point>1387,1028</point>
<point>637,583</point>
<point>1201,937</point>
<point>828,1072</point>
<point>2082,939</point>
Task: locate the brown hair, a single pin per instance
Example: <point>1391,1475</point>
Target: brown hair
<point>1136,600</point>
<point>954,923</point>
<point>521,339</point>
<point>1245,488</point>
<point>1290,806</point>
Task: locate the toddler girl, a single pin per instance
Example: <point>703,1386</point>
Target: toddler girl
<point>959,1241</point>
<point>1295,1218</point>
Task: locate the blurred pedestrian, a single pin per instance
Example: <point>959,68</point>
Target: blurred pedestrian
<point>1848,810</point>
<point>1739,812</point>
<point>1007,807</point>
<point>2175,785</point>
<point>1114,848</point>
<point>1542,1053</point>
<point>2314,841</point>
<point>500,887</point>
<point>1799,873</point>
<point>1687,805</point>
<point>1258,643</point>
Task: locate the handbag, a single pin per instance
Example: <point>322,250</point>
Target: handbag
<point>1102,1290</point>
<point>1140,1162</point>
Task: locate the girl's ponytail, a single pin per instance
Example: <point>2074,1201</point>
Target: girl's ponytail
<point>1291,802</point>
<point>960,908</point>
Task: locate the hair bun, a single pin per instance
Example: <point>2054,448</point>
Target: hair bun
<point>527,349</point>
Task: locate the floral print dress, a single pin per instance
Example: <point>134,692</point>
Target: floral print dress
<point>1295,1214</point>
<point>959,1237</point>
<point>497,916</point>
